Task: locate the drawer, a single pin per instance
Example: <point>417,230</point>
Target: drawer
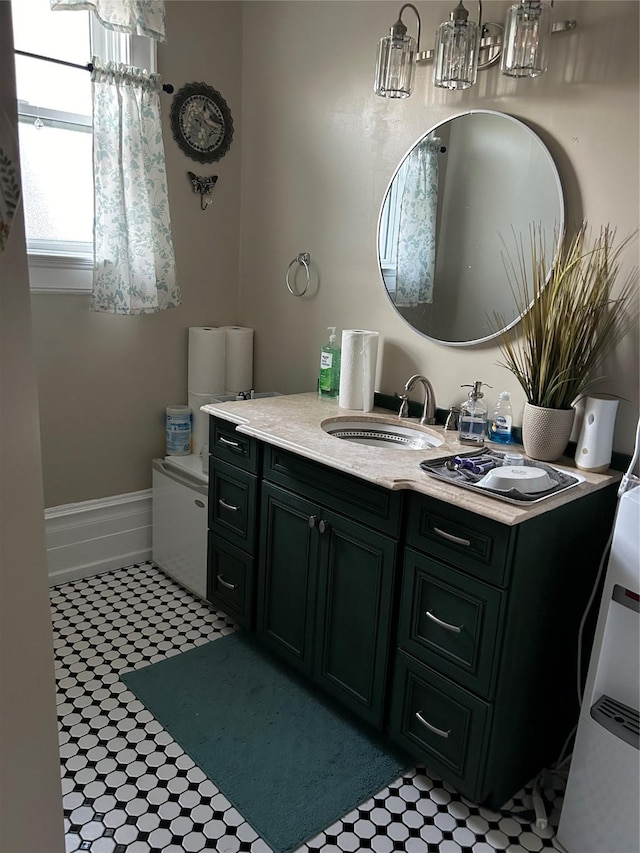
<point>230,581</point>
<point>477,545</point>
<point>440,724</point>
<point>232,505</point>
<point>231,446</point>
<point>365,502</point>
<point>450,621</point>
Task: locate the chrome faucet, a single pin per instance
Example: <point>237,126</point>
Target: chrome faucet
<point>429,410</point>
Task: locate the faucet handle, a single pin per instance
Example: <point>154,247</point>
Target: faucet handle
<point>452,419</point>
<point>404,406</point>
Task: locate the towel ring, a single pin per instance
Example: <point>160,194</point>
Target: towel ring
<point>303,260</point>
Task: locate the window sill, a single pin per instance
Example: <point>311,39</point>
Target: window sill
<point>61,274</point>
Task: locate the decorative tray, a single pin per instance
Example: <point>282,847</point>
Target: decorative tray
<point>465,478</point>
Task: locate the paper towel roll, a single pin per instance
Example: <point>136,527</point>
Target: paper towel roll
<point>207,346</point>
<point>239,359</point>
<point>358,369</point>
<point>199,421</point>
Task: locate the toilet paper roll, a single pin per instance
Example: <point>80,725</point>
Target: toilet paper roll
<point>239,359</point>
<point>199,421</point>
<point>358,369</point>
<point>206,367</point>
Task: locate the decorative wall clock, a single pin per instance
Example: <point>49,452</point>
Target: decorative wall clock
<point>201,122</point>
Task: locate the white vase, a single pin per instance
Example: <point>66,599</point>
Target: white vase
<point>545,432</point>
<point>595,443</point>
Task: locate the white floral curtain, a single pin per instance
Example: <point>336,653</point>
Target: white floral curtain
<point>138,17</point>
<point>416,250</point>
<point>134,265</point>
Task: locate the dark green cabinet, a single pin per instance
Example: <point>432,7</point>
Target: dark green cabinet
<point>484,680</point>
<point>325,597</point>
<point>234,467</point>
<point>454,633</point>
<point>288,567</point>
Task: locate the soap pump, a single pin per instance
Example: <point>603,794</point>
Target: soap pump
<point>329,381</point>
<point>473,415</point>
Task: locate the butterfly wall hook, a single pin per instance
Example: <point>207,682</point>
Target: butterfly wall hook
<point>203,186</point>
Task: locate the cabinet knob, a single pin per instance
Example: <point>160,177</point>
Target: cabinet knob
<point>229,442</point>
<point>455,628</point>
<point>312,521</point>
<point>225,505</point>
<point>436,731</point>
<point>323,526</point>
<point>457,539</point>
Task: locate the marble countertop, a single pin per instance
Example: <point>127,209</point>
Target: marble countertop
<point>294,422</point>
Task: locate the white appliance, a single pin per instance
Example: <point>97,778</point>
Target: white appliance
<point>180,514</point>
<point>600,810</point>
<point>179,539</point>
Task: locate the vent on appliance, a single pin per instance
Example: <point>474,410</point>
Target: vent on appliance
<point>617,718</point>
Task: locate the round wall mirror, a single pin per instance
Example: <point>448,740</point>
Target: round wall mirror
<point>463,195</point>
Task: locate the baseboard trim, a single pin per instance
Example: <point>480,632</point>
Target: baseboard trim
<point>92,537</point>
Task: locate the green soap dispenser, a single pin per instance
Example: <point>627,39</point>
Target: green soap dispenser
<point>329,382</point>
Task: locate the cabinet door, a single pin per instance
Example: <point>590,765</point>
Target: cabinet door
<point>441,724</point>
<point>451,621</point>
<point>232,505</point>
<point>288,558</point>
<point>230,580</point>
<point>354,613</point>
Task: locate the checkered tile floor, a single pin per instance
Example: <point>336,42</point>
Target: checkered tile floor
<point>129,788</point>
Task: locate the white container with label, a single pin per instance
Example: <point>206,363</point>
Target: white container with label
<point>178,430</point>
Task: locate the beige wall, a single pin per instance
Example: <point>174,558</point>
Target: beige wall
<point>30,792</point>
<point>312,154</point>
<point>319,149</point>
<point>104,381</point>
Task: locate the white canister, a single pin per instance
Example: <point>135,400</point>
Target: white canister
<point>178,430</point>
<point>595,443</point>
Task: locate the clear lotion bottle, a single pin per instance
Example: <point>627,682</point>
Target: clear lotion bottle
<point>473,416</point>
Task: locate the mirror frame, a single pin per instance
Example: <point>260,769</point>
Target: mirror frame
<point>560,225</point>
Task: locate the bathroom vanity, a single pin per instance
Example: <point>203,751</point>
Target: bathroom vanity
<point>444,618</point>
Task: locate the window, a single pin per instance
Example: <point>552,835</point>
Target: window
<point>389,227</point>
<point>54,112</point>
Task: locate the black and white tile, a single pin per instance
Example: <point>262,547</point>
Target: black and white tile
<point>128,787</point>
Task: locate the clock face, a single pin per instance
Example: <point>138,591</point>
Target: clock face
<point>201,122</point>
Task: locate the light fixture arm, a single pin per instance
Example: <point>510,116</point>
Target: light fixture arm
<point>400,28</point>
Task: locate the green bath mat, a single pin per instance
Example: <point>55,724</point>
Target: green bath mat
<point>287,757</point>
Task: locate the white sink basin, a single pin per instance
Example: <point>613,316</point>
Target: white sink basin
<point>375,433</point>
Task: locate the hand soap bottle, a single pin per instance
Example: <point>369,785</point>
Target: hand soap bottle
<point>473,416</point>
<point>329,382</point>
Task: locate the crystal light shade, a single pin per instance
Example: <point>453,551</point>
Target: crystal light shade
<point>526,39</point>
<point>456,51</point>
<point>395,65</point>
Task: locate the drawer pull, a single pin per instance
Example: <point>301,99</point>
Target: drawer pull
<point>431,728</point>
<point>225,505</point>
<point>226,583</point>
<point>455,628</point>
<point>228,441</point>
<point>457,539</point>
<point>199,503</point>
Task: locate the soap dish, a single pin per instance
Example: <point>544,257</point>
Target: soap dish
<point>528,480</point>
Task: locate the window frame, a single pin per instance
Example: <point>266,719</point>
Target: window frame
<point>65,267</point>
